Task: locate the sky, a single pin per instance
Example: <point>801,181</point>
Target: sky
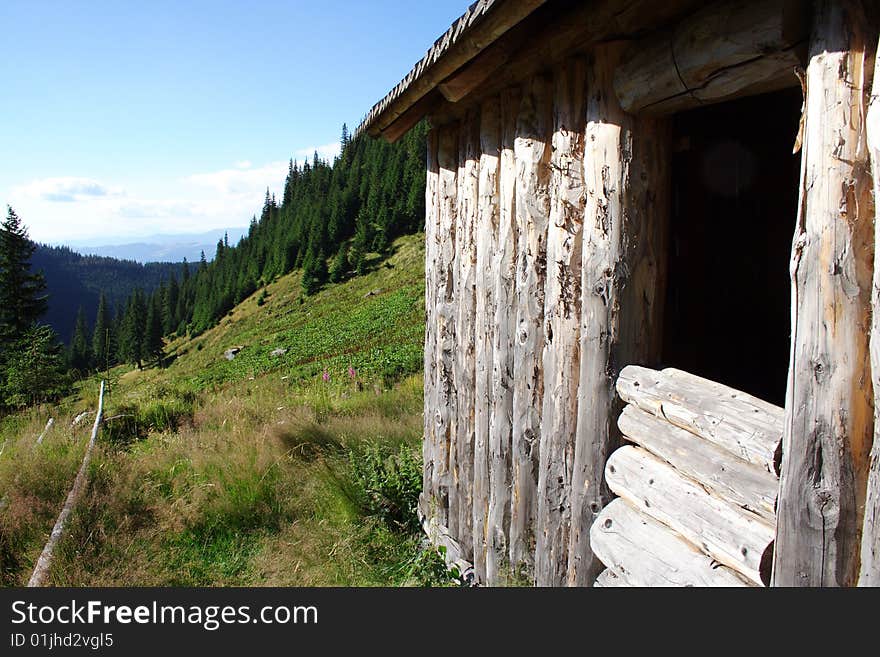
<point>120,120</point>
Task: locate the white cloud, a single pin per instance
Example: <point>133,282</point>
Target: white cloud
<point>67,189</point>
<point>326,152</point>
<point>60,209</point>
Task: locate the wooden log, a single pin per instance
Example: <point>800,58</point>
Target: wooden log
<point>44,563</point>
<point>432,249</point>
<point>742,484</point>
<point>45,431</point>
<point>735,538</point>
<point>445,403</point>
<point>440,536</point>
<point>870,555</point>
<point>646,552</point>
<point>621,284</point>
<point>486,239</point>
<point>609,579</point>
<point>562,305</point>
<point>503,272</point>
<point>534,127</point>
<point>725,50</point>
<point>744,425</point>
<point>829,404</point>
<point>468,480</point>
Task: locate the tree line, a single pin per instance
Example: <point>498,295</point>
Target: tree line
<point>333,221</point>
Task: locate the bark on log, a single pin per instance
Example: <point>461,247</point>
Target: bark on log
<point>562,306</point>
<point>735,538</point>
<point>870,561</point>
<point>445,403</point>
<point>646,552</point>
<point>746,426</point>
<point>742,484</point>
<point>532,209</point>
<point>485,232</point>
<point>625,220</point>
<point>432,249</point>
<point>503,273</point>
<point>725,50</point>
<point>468,479</point>
<point>829,414</point>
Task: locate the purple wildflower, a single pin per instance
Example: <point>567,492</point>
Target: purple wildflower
<point>326,375</point>
<point>352,372</point>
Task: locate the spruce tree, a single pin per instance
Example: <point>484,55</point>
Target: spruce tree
<point>134,324</point>
<point>34,370</point>
<point>101,337</point>
<point>22,301</point>
<point>80,350</point>
<point>340,264</point>
<point>152,345</point>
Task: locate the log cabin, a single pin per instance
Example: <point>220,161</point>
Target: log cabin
<point>650,351</point>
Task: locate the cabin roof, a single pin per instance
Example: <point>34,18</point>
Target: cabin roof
<point>480,26</point>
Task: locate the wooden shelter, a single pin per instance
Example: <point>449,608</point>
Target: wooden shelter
<point>615,183</point>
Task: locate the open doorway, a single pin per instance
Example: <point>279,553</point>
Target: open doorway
<point>735,187</point>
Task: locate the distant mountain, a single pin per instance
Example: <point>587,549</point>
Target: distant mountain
<point>163,248</point>
<point>75,280</point>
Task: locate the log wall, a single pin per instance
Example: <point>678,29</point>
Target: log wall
<point>546,211</point>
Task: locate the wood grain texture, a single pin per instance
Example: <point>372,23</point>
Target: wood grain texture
<point>502,320</point>
<point>744,425</point>
<point>445,403</point>
<point>870,552</point>
<point>486,239</point>
<point>829,401</point>
<point>532,146</point>
<point>432,249</point>
<point>723,51</point>
<point>644,552</point>
<point>740,483</point>
<point>624,223</point>
<point>468,479</point>
<point>733,537</point>
<point>562,305</point>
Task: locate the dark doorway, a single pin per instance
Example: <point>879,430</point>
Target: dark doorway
<point>735,190</point>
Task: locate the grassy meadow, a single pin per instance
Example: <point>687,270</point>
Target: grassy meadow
<point>299,468</point>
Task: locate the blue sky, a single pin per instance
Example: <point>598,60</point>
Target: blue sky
<point>123,119</point>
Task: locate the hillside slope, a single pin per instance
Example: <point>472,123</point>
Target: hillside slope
<point>298,468</point>
<point>75,280</point>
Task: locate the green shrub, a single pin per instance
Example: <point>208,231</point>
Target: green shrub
<point>388,483</point>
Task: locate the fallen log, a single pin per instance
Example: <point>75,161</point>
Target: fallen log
<point>44,563</point>
<point>747,427</point>
<point>646,552</point>
<point>742,484</point>
<point>735,538</point>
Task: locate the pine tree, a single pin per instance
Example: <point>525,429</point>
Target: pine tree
<point>80,350</point>
<point>102,349</point>
<point>22,301</point>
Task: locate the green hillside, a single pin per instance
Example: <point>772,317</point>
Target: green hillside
<point>300,467</point>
